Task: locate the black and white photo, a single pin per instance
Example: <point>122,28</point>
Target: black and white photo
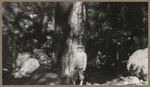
<point>74,43</point>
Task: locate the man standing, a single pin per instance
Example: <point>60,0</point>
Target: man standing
<point>80,65</point>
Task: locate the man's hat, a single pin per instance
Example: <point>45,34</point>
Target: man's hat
<point>80,46</point>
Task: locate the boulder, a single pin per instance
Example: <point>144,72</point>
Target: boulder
<point>21,58</point>
<point>27,67</point>
<point>129,80</point>
<point>138,64</point>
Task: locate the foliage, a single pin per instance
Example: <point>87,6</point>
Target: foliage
<point>114,29</point>
<point>25,26</point>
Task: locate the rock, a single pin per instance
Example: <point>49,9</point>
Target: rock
<point>21,58</point>
<point>51,83</point>
<point>19,61</point>
<point>129,80</point>
<point>87,83</point>
<point>96,84</point>
<point>27,67</point>
<point>51,75</point>
<point>138,64</point>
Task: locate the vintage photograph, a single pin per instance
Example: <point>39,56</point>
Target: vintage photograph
<point>74,43</point>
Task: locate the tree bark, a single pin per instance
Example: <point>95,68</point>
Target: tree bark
<point>75,37</point>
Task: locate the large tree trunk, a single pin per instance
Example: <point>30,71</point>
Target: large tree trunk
<point>75,37</point>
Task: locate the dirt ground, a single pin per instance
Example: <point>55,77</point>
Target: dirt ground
<point>44,77</point>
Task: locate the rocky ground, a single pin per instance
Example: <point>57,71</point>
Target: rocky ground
<point>41,77</point>
<point>93,77</point>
